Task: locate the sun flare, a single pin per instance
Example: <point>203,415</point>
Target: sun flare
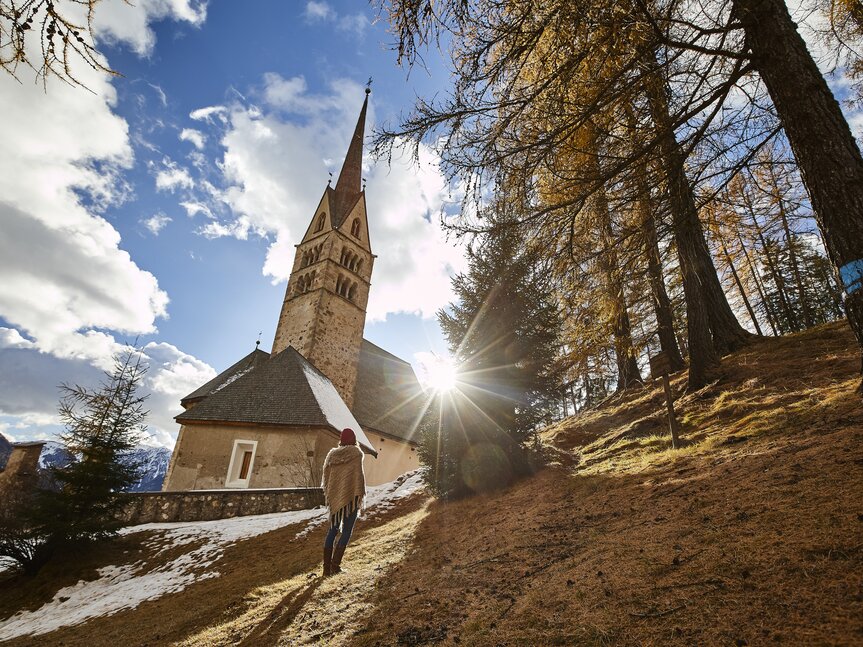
<point>441,374</point>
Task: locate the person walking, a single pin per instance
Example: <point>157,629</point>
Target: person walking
<point>344,484</point>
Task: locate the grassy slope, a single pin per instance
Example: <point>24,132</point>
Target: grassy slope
<point>751,534</point>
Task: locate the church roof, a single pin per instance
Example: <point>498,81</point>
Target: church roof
<point>349,185</point>
<point>245,365</point>
<point>387,397</point>
<point>285,389</point>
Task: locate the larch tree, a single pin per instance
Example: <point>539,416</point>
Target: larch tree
<point>49,38</point>
<point>704,53</point>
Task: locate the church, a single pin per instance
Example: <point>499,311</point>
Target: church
<point>269,420</point>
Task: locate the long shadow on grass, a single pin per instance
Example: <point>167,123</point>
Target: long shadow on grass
<point>271,627</point>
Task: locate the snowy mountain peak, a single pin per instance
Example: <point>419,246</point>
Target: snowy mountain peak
<point>153,461</point>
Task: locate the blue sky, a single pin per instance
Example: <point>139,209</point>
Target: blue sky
<point>164,204</point>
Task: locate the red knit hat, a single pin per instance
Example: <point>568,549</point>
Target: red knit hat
<point>348,437</point>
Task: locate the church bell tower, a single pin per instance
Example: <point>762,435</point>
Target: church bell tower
<point>324,311</point>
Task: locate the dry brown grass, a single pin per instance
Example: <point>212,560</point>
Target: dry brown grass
<point>750,534</point>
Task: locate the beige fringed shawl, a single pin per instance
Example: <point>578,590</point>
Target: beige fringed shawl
<point>344,482</point>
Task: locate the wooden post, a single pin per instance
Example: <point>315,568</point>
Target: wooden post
<point>660,367</point>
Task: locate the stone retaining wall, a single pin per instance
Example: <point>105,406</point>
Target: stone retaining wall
<point>205,505</point>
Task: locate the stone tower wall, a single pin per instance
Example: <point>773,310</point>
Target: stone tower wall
<point>324,326</point>
<point>336,347</point>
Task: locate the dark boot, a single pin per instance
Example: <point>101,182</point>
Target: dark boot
<point>337,559</point>
<point>328,561</point>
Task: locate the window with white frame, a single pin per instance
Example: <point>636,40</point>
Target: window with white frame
<point>242,460</point>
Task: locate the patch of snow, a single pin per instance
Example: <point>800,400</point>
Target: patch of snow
<point>124,587</point>
<point>333,407</point>
<point>233,378</point>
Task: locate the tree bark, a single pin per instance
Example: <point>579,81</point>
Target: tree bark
<point>628,374</point>
<point>728,334</point>
<point>703,358</point>
<point>661,302</point>
<point>829,159</point>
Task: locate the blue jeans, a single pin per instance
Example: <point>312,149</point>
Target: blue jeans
<point>347,528</point>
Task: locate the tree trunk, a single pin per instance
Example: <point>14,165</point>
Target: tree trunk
<point>703,358</point>
<point>728,334</point>
<point>778,280</point>
<point>740,289</point>
<point>628,374</point>
<point>808,318</point>
<point>768,311</point>
<point>829,160</point>
<point>661,302</point>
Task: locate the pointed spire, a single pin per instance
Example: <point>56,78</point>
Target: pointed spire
<point>348,186</point>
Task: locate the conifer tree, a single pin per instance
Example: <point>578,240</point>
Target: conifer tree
<point>102,426</point>
<point>503,333</point>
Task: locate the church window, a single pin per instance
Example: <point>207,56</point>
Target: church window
<point>355,228</point>
<point>318,250</point>
<point>359,265</point>
<point>352,292</point>
<point>242,460</point>
<point>321,220</point>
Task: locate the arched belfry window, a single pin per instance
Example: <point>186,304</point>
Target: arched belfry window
<point>352,292</point>
<point>355,228</point>
<point>321,220</point>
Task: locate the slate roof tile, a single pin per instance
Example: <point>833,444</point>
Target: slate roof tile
<point>285,389</point>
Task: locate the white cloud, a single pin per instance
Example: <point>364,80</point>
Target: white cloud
<point>68,287</point>
<point>195,137</point>
<point>194,208</point>
<point>11,338</point>
<point>129,22</point>
<point>29,381</point>
<point>63,269</point>
<point>156,223</point>
<point>172,375</point>
<point>356,23</point>
<point>172,177</point>
<point>275,175</point>
<point>161,94</point>
<point>287,94</point>
<point>316,11</point>
<point>319,11</point>
<point>210,114</point>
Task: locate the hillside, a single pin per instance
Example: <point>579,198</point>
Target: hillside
<point>751,534</point>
